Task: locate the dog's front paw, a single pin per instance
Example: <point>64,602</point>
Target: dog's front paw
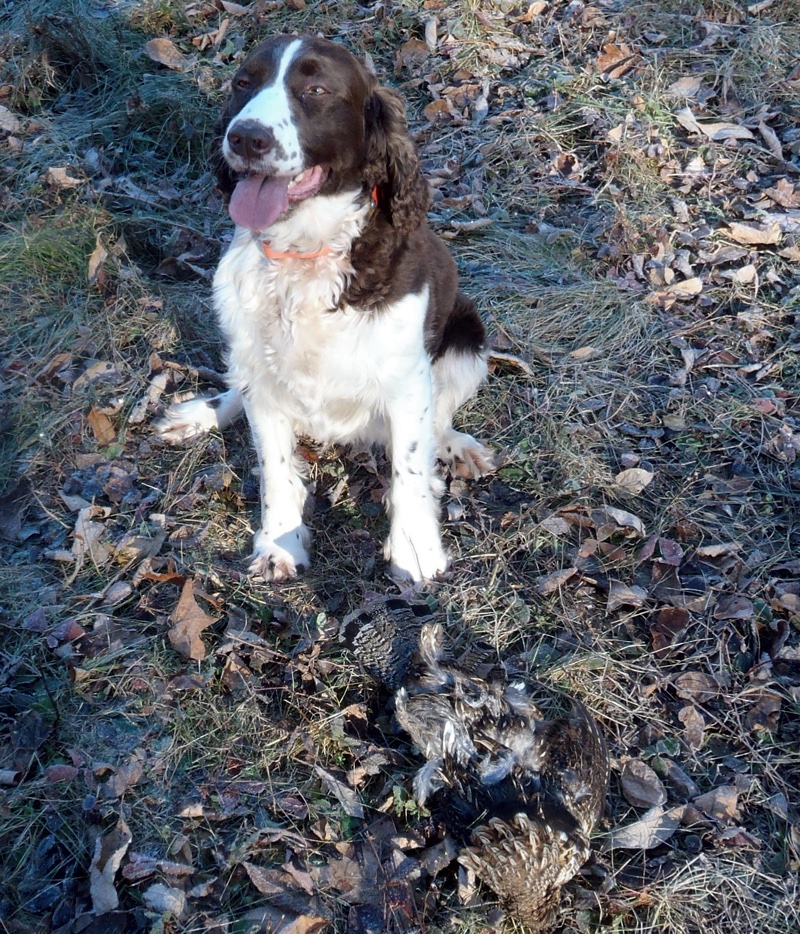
<point>415,556</point>
<point>280,558</point>
<point>187,421</point>
<point>465,457</point>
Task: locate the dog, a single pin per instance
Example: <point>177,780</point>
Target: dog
<point>340,307</point>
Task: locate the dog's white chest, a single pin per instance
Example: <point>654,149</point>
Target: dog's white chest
<point>328,368</point>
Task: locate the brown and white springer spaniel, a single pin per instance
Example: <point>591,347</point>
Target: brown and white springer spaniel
<point>340,307</point>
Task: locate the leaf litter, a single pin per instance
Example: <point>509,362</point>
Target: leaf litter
<point>635,548</point>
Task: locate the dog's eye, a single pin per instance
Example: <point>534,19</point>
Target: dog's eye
<point>315,90</point>
<point>241,83</point>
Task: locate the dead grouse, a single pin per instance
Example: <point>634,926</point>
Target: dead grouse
<point>520,793</point>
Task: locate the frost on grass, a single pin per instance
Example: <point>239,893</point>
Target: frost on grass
<point>619,188</point>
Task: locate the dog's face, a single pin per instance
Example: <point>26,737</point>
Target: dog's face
<point>295,124</point>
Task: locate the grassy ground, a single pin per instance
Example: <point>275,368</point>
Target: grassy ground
<point>620,184</point>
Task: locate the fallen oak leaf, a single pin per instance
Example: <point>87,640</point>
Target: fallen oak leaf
<point>347,797</point>
<point>618,517</point>
<point>784,193</point>
<point>719,803</point>
<point>188,621</point>
<point>165,899</point>
<point>60,178</point>
<point>744,276</point>
<point>615,60</point>
<point>696,686</point>
<point>655,827</point>
<point>102,427</point>
<point>235,9</point>
<point>771,140</point>
<point>108,853</point>
<point>620,594</point>
<point>634,479</point>
<point>687,87</point>
<point>96,260</point>
<point>166,53</point>
<point>694,726</point>
<point>754,235</point>
<point>87,537</point>
<point>551,582</point>
<point>641,786</point>
<point>9,122</point>
<point>715,131</point>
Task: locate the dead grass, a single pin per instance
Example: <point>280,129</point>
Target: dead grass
<point>584,180</point>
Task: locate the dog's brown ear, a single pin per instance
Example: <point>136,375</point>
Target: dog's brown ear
<point>392,165</point>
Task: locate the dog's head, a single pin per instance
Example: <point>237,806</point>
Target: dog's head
<point>305,117</point>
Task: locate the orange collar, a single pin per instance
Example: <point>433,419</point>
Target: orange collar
<point>291,254</point>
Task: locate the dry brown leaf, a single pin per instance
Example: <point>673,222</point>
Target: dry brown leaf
<point>723,254</point>
<point>411,54</point>
<point>549,583</point>
<point>96,260</point>
<point>534,9</point>
<point>736,606</point>
<point>9,122</point>
<point>438,111</point>
<point>765,714</point>
<point>688,86</point>
<point>88,534</point>
<point>235,9</point>
<point>165,52</point>
<point>770,137</point>
<point>348,797</point>
<point>784,193</point>
<point>102,426</point>
<point>680,781</point>
<point>236,676</point>
<point>124,776</point>
<point>60,178</point>
<point>108,852</point>
<point>610,515</point>
<point>720,803</point>
<point>615,59</point>
<point>188,621</point>
<point>696,686</point>
<point>165,899</point>
<point>669,627</point>
<point>655,827</point>
<point>694,726</point>
<point>634,479</point>
<point>97,371</point>
<point>620,594</point>
<point>583,353</point>
<point>267,881</point>
<point>746,275</point>
<point>641,786</point>
<point>60,773</point>
<point>717,131</point>
<point>677,291</point>
<point>754,235</point>
<point>278,920</point>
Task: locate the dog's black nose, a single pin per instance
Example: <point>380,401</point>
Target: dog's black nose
<point>250,139</point>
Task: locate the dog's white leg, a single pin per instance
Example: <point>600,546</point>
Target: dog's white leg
<point>186,421</point>
<point>456,377</point>
<point>280,547</point>
<point>414,547</point>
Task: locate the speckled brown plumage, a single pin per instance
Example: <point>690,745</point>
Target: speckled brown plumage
<point>384,635</point>
<point>519,792</point>
<point>527,850</point>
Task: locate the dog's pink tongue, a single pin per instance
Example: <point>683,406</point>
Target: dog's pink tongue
<point>258,200</point>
